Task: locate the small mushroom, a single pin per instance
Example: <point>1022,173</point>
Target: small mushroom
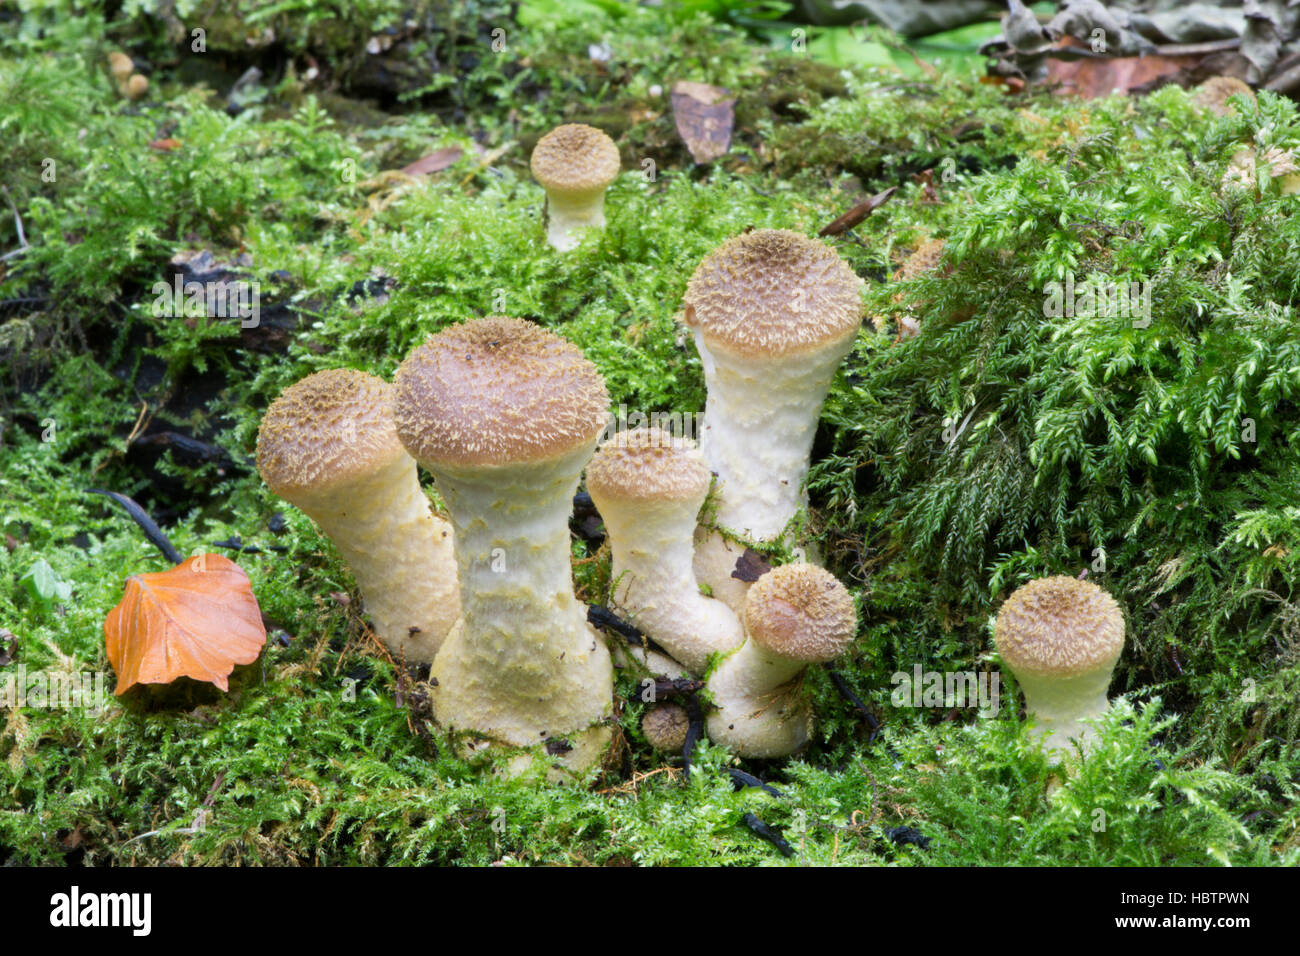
<point>575,164</point>
<point>665,726</point>
<point>795,615</point>
<point>328,445</point>
<point>648,486</point>
<point>505,415</point>
<point>1061,638</point>
<point>773,314</point>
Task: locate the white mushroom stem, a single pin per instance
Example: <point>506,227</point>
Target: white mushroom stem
<point>399,552</point>
<point>760,419</point>
<point>758,714</point>
<point>759,423</point>
<point>523,665</point>
<point>567,214</point>
<point>1058,707</point>
<point>654,581</point>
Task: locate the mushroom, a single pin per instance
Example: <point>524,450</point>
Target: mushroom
<point>648,486</point>
<point>328,446</point>
<point>575,164</point>
<point>1061,638</point>
<point>773,314</point>
<point>505,415</point>
<point>665,726</point>
<point>795,615</point>
<point>1214,93</point>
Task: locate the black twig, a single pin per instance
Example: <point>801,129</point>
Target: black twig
<point>740,780</point>
<point>147,524</point>
<point>765,832</point>
<point>846,692</point>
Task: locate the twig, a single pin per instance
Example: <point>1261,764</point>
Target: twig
<point>18,224</point>
<point>147,524</point>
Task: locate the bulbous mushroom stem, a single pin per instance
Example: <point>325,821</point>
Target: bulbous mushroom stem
<point>759,712</point>
<point>648,486</point>
<point>523,665</point>
<point>1060,707</point>
<point>400,554</point>
<point>327,445</point>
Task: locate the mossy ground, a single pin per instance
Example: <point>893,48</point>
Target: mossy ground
<point>1084,436</point>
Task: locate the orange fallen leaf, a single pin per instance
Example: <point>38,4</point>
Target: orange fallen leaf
<point>197,620</point>
<point>165,145</point>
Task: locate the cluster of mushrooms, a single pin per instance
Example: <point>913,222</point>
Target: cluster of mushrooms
<point>506,416</point>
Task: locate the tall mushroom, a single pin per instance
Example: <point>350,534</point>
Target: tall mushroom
<point>505,415</point>
<point>795,615</point>
<point>575,164</point>
<point>1061,638</point>
<point>648,486</point>
<point>773,314</point>
<point>328,445</point>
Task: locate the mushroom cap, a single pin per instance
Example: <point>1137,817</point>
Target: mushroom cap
<point>497,391</point>
<point>1059,627</point>
<point>773,292</point>
<point>665,726</point>
<point>648,464</point>
<point>120,65</point>
<point>801,612</point>
<point>327,430</point>
<point>1213,94</point>
<point>575,158</point>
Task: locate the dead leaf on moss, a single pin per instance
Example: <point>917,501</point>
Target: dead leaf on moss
<point>197,620</point>
<point>704,116</point>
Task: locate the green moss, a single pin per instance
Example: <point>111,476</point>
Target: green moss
<point>1083,433</point>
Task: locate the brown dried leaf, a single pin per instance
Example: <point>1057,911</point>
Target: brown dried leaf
<point>435,162</point>
<point>704,116</point>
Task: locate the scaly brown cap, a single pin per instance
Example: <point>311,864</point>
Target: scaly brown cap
<point>326,431</point>
<point>801,612</point>
<point>575,159</point>
<point>648,464</point>
<point>1059,626</point>
<point>1213,94</point>
<point>497,391</point>
<point>773,292</point>
<point>665,726</point>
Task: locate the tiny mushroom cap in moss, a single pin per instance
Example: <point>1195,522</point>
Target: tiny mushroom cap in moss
<point>802,613</point>
<point>1214,93</point>
<point>575,159</point>
<point>773,292</point>
<point>120,65</point>
<point>648,464</point>
<point>1061,638</point>
<point>665,726</point>
<point>649,486</point>
<point>327,444</point>
<point>497,390</point>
